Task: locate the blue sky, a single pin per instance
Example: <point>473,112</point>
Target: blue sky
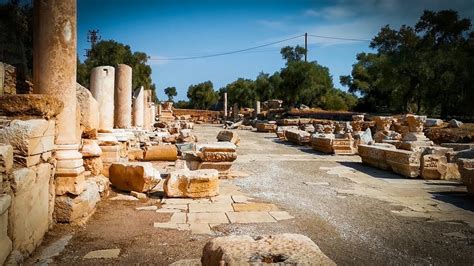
<point>174,28</point>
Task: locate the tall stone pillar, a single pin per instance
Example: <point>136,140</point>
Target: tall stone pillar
<point>225,105</point>
<point>146,110</point>
<point>138,107</point>
<point>257,108</point>
<point>102,88</point>
<point>235,111</point>
<point>54,73</point>
<point>153,114</point>
<point>159,109</point>
<point>123,96</point>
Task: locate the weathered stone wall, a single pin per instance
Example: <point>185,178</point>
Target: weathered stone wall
<point>7,79</point>
<point>199,115</point>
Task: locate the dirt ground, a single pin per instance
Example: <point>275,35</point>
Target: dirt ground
<point>355,214</point>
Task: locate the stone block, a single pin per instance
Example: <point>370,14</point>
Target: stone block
<point>192,184</point>
<point>134,176</point>
<point>222,167</point>
<point>374,155</point>
<point>466,168</point>
<point>69,184</point>
<point>280,131</point>
<point>227,135</point>
<point>29,214</point>
<point>406,163</point>
<point>110,154</point>
<point>135,154</point>
<point>250,217</point>
<point>94,165</point>
<point>5,242</point>
<point>42,105</point>
<point>161,153</point>
<point>6,158</point>
<point>284,249</point>
<point>266,127</point>
<point>433,122</point>
<point>103,184</point>
<point>321,143</point>
<point>207,218</point>
<point>343,146</point>
<point>90,148</point>
<point>218,156</point>
<point>254,207</point>
<point>435,164</point>
<point>29,137</point>
<point>216,147</point>
<point>89,108</point>
<point>77,209</point>
<point>298,137</point>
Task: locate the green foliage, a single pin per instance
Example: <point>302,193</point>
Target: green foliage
<point>242,91</point>
<point>202,95</point>
<point>112,53</point>
<point>16,36</point>
<point>292,54</point>
<point>182,104</point>
<point>171,92</point>
<point>425,69</point>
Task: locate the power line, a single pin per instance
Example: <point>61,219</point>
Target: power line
<point>226,53</point>
<point>339,38</point>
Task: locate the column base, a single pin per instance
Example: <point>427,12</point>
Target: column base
<point>69,175</point>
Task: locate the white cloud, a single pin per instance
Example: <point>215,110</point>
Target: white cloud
<point>274,24</point>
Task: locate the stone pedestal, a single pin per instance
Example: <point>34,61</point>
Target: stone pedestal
<point>138,107</point>
<point>102,88</point>
<point>123,96</point>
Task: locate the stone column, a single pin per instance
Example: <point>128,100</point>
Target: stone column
<point>257,108</point>
<point>123,96</point>
<point>159,109</point>
<point>153,114</point>
<point>138,107</point>
<point>146,111</point>
<point>54,73</point>
<point>235,111</point>
<point>102,88</point>
<point>225,105</point>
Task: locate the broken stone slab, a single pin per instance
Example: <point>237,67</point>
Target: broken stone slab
<point>218,156</point>
<point>406,163</point>
<point>433,122</point>
<point>5,241</point>
<point>77,210</point>
<point>298,137</point>
<point>192,184</point>
<point>39,105</point>
<point>6,159</point>
<point>134,176</point>
<point>266,127</point>
<point>435,164</point>
<point>161,153</point>
<point>287,249</point>
<point>138,195</point>
<point>453,123</point>
<point>29,137</point>
<point>216,147</point>
<point>90,148</point>
<point>89,108</point>
<point>280,131</point>
<point>322,143</point>
<point>227,135</point>
<point>103,184</point>
<point>375,155</point>
<point>94,165</point>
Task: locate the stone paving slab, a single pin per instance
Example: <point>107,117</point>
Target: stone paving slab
<point>207,218</point>
<point>168,210</point>
<point>222,198</point>
<point>180,227</point>
<point>103,254</point>
<point>254,207</point>
<point>200,228</point>
<point>240,198</point>
<point>250,217</point>
<point>179,218</point>
<point>211,207</point>
<point>182,201</point>
<point>281,215</point>
<point>183,207</point>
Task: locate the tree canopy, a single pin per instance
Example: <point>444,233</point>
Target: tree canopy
<point>171,93</point>
<point>202,95</point>
<point>426,69</point>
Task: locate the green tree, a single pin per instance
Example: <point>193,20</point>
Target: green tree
<point>242,91</point>
<point>112,53</point>
<point>291,54</point>
<point>202,95</point>
<point>171,92</point>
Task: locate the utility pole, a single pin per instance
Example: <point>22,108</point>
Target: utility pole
<point>92,37</point>
<point>306,47</point>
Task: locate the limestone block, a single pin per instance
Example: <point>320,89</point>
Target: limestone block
<point>415,122</point>
<point>69,184</point>
<point>77,209</point>
<point>39,105</point>
<point>227,135</point>
<point>89,108</point>
<point>110,154</point>
<point>6,158</point>
<point>453,123</point>
<point>343,146</point>
<point>94,165</point>
<point>265,127</point>
<point>434,166</point>
<point>192,184</point>
<point>299,137</point>
<point>29,213</point>
<point>222,167</point>
<point>433,122</point>
<point>29,137</point>
<point>458,146</point>
<point>374,155</point>
<point>280,131</point>
<point>90,148</point>
<point>218,156</point>
<point>466,168</point>
<point>383,123</point>
<point>5,242</point>
<point>161,153</point>
<point>285,249</point>
<point>406,163</point>
<point>135,154</point>
<point>134,176</point>
<point>216,147</point>
<point>103,184</point>
<point>321,143</point>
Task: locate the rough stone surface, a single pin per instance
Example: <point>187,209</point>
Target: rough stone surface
<point>5,242</point>
<point>102,88</point>
<point>161,153</point>
<point>94,165</point>
<point>39,105</point>
<point>299,137</point>
<point>29,212</point>
<point>123,96</point>
<point>134,176</point>
<point>455,123</point>
<point>77,209</point>
<point>90,148</point>
<point>227,135</point>
<point>288,249</point>
<point>433,122</point>
<point>192,184</point>
<point>89,109</point>
<point>6,159</point>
